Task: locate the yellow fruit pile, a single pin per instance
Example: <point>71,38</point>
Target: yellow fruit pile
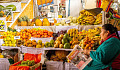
<point>98,19</point>
<point>73,33</point>
<point>90,39</point>
<point>34,44</point>
<point>87,18</point>
<point>9,39</point>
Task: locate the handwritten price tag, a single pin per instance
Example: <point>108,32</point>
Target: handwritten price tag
<point>17,37</point>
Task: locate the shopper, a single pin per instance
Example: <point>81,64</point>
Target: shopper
<point>107,55</point>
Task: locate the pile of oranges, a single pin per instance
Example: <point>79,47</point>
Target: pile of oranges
<point>26,34</point>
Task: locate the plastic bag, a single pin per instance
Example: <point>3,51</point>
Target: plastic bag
<point>35,57</point>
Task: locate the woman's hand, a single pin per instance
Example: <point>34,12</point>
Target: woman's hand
<point>86,52</point>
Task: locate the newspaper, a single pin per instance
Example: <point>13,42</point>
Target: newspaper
<point>77,58</point>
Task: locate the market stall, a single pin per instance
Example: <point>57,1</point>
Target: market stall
<point>43,34</point>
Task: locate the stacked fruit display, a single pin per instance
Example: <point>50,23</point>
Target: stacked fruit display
<point>34,44</point>
<point>19,42</point>
<point>71,21</point>
<point>45,22</point>
<point>90,39</point>
<point>90,33</point>
<point>63,41</point>
<point>49,44</point>
<point>24,21</point>
<point>2,25</point>
<point>73,33</point>
<point>87,18</point>
<point>55,35</point>
<point>26,34</point>
<point>90,43</point>
<point>9,39</point>
<point>27,63</point>
<point>59,56</point>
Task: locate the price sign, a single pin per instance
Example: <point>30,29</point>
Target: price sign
<point>17,37</point>
<point>67,21</point>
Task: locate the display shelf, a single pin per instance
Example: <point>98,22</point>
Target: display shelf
<point>7,47</point>
<point>16,11</point>
<point>57,49</point>
<point>40,50</point>
<point>9,21</point>
<point>2,30</point>
<point>49,28</point>
<point>32,50</point>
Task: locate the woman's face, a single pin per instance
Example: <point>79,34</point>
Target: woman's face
<point>104,34</point>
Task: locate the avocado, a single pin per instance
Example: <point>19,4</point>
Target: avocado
<point>47,44</point>
<point>64,40</point>
<point>52,41</point>
<point>67,45</point>
<point>66,36</point>
<point>69,39</point>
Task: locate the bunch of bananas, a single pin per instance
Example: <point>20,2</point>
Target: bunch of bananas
<point>86,18</point>
<point>98,19</point>
<point>73,33</point>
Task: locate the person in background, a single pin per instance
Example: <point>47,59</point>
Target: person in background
<point>107,55</point>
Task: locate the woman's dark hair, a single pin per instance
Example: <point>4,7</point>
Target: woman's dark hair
<point>111,29</point>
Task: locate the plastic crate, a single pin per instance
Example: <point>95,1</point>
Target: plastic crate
<point>54,65</point>
<point>69,66</point>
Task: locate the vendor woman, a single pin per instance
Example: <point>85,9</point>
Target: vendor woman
<point>107,55</point>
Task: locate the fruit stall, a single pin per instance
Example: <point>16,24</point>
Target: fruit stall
<point>40,34</point>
